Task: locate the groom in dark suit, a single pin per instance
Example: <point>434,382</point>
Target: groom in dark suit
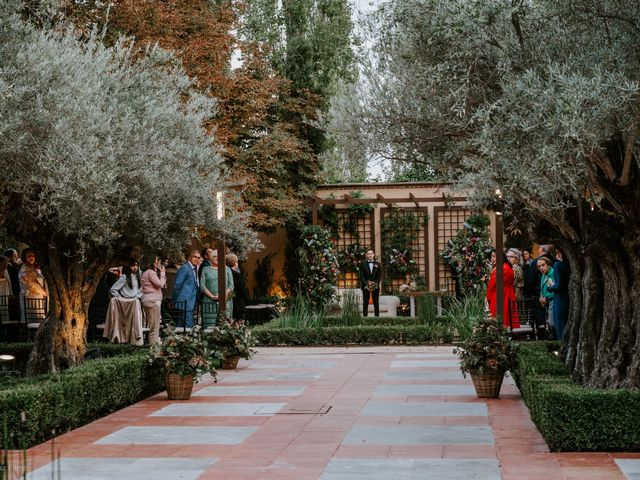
<point>370,273</point>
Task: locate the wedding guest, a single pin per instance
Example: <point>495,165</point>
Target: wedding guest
<point>508,292</point>
<point>14,269</point>
<point>187,286</point>
<point>124,317</point>
<point>241,293</point>
<point>515,259</point>
<point>32,283</point>
<point>209,290</point>
<point>152,282</point>
<point>370,274</point>
<point>547,282</point>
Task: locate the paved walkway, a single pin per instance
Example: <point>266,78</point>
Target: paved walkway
<point>331,414</point>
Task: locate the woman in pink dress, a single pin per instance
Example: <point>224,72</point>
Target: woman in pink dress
<point>508,292</point>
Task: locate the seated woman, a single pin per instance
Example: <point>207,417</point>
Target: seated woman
<point>153,281</point>
<point>209,289</point>
<point>124,317</point>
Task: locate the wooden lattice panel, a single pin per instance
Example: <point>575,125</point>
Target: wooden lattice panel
<point>448,220</point>
<point>419,248</point>
<point>352,231</point>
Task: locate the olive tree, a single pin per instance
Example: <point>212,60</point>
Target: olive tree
<point>540,99</point>
<point>101,151</point>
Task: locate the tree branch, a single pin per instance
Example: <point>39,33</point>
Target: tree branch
<point>603,161</point>
<point>628,155</point>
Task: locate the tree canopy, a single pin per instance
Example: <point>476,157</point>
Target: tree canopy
<point>540,99</point>
<point>102,150</point>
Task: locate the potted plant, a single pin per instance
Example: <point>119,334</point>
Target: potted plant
<point>230,340</point>
<point>487,355</point>
<point>182,358</point>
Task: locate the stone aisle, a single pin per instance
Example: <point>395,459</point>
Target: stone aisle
<point>331,414</point>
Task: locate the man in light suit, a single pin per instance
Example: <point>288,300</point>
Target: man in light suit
<point>187,286</point>
<point>370,273</point>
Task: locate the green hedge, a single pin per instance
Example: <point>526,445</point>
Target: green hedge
<point>22,351</point>
<point>569,416</point>
<point>42,407</point>
<point>360,334</point>
<point>371,321</point>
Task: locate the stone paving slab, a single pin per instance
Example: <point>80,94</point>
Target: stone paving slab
<point>411,469</point>
<point>178,436</point>
<point>249,391</point>
<point>218,409</point>
<point>426,356</point>
<point>293,364</point>
<point>630,467</point>
<point>449,374</point>
<point>424,363</point>
<point>387,390</point>
<point>124,468</point>
<point>410,435</point>
<point>425,409</point>
<point>244,376</point>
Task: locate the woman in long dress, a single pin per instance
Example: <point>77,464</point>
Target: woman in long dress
<point>209,289</point>
<point>33,288</point>
<point>152,282</point>
<point>508,293</point>
<point>124,317</point>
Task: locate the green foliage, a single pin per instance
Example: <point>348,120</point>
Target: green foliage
<point>359,335</point>
<point>328,213</point>
<point>300,315</point>
<point>184,354</point>
<point>351,309</point>
<point>318,266</point>
<point>465,313</point>
<point>400,230</point>
<point>36,409</point>
<point>571,417</point>
<point>489,347</point>
<point>351,257</point>
<point>263,276</point>
<point>231,338</point>
<point>468,254</point>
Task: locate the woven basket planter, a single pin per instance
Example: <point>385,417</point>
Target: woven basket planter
<point>230,363</point>
<point>179,387</point>
<point>488,384</point>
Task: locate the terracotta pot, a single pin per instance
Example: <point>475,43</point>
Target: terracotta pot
<point>230,363</point>
<point>179,387</point>
<point>488,384</point>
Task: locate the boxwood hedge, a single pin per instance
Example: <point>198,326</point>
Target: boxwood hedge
<point>571,417</point>
<point>359,334</point>
<point>41,407</point>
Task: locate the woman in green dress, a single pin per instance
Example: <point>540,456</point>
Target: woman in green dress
<point>209,289</point>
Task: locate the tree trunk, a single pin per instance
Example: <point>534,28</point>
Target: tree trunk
<point>61,339</point>
<point>602,339</point>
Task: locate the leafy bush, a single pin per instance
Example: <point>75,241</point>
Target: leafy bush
<point>45,406</point>
<point>351,309</point>
<point>300,315</point>
<point>465,312</point>
<point>571,417</point>
<point>488,348</point>
<point>231,338</point>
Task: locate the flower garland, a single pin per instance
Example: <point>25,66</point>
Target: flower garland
<point>319,266</point>
<point>468,254</point>
<point>351,257</point>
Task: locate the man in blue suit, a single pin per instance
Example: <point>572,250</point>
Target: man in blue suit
<point>187,286</point>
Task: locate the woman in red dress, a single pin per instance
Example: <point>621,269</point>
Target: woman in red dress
<point>508,292</point>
